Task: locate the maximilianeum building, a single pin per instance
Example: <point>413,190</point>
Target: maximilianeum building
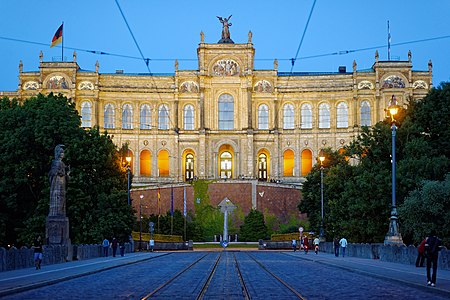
<point>226,120</point>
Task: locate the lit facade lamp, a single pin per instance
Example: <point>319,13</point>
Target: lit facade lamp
<point>393,236</point>
<point>322,159</point>
<point>128,159</point>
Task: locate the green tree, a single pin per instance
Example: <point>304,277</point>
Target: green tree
<point>426,209</point>
<point>30,131</point>
<point>254,227</point>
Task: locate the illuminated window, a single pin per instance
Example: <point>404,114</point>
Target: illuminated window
<point>226,162</point>
<point>262,167</point>
<point>163,163</point>
<point>306,162</point>
<point>288,163</point>
<point>189,167</point>
<point>145,163</point>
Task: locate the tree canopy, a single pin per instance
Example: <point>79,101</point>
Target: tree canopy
<point>358,189</point>
<point>96,196</point>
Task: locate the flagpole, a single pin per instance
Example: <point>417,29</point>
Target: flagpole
<point>184,211</point>
<point>171,211</point>
<point>62,46</point>
<point>389,42</point>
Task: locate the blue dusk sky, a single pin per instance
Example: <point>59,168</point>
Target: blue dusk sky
<point>338,32</point>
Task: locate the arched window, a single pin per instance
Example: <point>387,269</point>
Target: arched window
<point>109,116</point>
<point>306,112</point>
<point>146,117</point>
<point>127,117</point>
<point>365,114</point>
<point>306,162</point>
<point>145,163</point>
<point>262,167</point>
<point>288,116</point>
<point>86,114</point>
<point>189,117</point>
<point>226,112</point>
<point>189,167</point>
<point>324,115</point>
<point>263,117</point>
<point>226,162</point>
<point>288,163</point>
<point>163,117</point>
<point>342,115</point>
<point>163,163</point>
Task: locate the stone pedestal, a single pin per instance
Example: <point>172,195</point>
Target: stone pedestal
<point>57,233</point>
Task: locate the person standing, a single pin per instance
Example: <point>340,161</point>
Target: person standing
<point>316,243</point>
<point>114,245</point>
<point>432,247</point>
<point>294,244</point>
<point>343,244</point>
<point>37,246</point>
<point>421,253</point>
<point>336,247</point>
<point>306,244</point>
<point>105,247</point>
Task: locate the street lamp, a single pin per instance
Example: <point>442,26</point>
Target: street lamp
<point>140,222</point>
<point>321,158</point>
<point>393,236</point>
<point>128,159</point>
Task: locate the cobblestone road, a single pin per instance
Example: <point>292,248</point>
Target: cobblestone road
<point>310,279</point>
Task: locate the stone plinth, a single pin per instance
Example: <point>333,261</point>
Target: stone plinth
<point>57,230</point>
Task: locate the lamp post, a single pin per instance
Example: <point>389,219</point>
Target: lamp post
<point>128,159</point>
<point>393,236</point>
<point>321,158</point>
<point>140,222</point>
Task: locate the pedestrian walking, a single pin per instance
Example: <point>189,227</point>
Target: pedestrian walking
<point>306,244</point>
<point>432,248</point>
<point>114,245</point>
<point>316,243</point>
<point>122,248</point>
<point>105,247</point>
<point>294,244</point>
<point>343,244</point>
<point>336,247</point>
<point>37,246</point>
<point>421,253</point>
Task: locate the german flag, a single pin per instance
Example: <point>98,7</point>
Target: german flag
<point>57,38</point>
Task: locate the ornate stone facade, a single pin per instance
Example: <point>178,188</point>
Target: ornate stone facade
<point>226,119</point>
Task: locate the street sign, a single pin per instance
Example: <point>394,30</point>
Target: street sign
<point>300,229</point>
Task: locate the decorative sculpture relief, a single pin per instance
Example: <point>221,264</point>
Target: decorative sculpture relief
<point>365,85</point>
<point>86,85</point>
<point>31,85</point>
<point>189,87</point>
<point>420,84</point>
<point>263,86</point>
<point>393,81</point>
<point>57,82</point>
<point>226,67</point>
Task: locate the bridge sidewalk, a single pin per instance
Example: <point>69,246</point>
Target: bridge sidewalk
<point>29,278</point>
<point>407,274</point>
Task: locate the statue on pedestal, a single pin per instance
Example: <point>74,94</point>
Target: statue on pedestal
<point>57,225</point>
<point>58,176</point>
<point>225,30</point>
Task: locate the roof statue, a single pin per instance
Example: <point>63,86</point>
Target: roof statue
<point>225,30</point>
